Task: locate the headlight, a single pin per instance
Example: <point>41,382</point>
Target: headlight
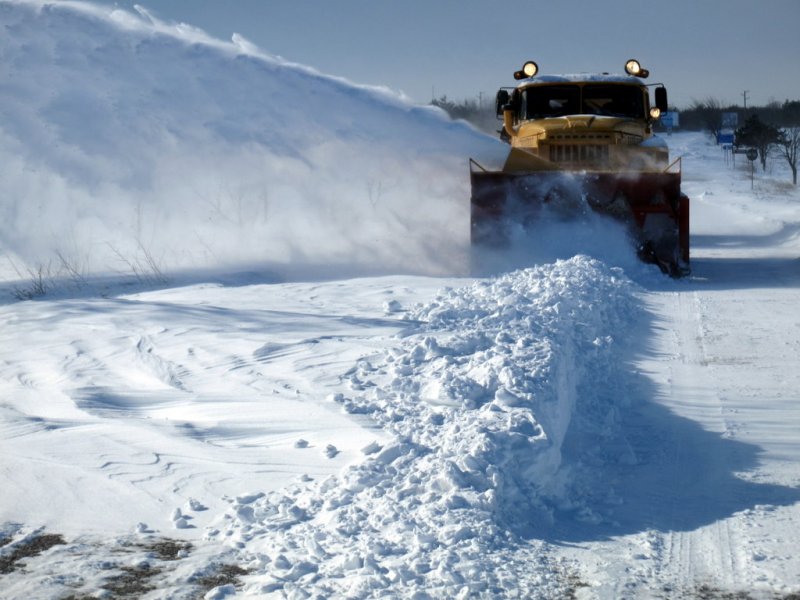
<point>655,112</point>
<point>632,67</point>
<point>530,68</point>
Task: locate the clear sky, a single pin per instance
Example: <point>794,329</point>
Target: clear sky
<point>470,48</point>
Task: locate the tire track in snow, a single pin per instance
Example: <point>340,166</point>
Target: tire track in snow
<point>719,554</point>
<point>693,392</point>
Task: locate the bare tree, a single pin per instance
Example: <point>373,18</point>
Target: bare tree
<point>710,113</point>
<point>788,145</point>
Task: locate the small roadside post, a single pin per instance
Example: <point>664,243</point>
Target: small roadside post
<point>752,155</point>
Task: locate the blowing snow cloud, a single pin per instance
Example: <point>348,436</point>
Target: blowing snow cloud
<point>123,137</point>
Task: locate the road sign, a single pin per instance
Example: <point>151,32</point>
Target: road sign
<point>670,119</point>
<point>730,120</point>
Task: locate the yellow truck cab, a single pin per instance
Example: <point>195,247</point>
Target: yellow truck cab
<point>596,122</point>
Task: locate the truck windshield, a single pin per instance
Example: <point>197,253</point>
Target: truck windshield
<point>613,101</point>
<point>550,101</point>
<point>596,99</point>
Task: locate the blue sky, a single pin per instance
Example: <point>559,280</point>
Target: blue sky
<point>469,48</point>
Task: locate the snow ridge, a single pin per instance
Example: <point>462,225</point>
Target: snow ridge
<point>479,398</point>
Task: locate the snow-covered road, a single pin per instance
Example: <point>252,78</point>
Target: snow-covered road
<point>715,491</point>
<point>715,488</point>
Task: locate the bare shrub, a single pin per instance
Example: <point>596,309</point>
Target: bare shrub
<point>143,265</point>
<point>38,282</point>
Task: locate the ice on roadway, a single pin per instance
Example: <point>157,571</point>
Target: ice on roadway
<point>258,341</point>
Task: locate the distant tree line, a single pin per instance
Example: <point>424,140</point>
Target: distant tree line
<point>707,114</point>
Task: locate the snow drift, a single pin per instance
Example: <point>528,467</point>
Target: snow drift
<point>130,144</point>
<point>479,401</point>
<point>179,413</point>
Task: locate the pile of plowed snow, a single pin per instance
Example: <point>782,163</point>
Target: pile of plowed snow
<point>132,145</point>
<point>479,400</point>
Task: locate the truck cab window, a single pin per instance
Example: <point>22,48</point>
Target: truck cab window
<point>550,101</point>
<point>613,101</point>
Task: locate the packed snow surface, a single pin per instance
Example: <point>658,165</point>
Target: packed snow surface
<point>241,355</point>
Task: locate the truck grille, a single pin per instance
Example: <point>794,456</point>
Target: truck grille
<point>579,153</point>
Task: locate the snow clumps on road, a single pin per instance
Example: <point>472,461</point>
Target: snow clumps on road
<point>479,398</point>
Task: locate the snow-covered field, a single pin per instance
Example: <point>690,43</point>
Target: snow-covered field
<point>241,353</point>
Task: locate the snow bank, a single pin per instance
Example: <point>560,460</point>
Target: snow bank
<point>132,145</point>
<point>479,400</point>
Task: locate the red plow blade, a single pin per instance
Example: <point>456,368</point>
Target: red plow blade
<point>652,205</point>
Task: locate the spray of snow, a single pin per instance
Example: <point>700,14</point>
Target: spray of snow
<point>125,140</point>
<point>548,220</point>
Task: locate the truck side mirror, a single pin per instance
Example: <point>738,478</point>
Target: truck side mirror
<point>661,99</point>
<point>500,101</point>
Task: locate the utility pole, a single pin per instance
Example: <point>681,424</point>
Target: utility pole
<point>744,94</point>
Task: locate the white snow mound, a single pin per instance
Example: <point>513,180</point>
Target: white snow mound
<point>479,400</point>
<point>129,144</point>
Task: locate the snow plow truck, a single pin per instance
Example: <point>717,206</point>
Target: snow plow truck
<point>584,141</point>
